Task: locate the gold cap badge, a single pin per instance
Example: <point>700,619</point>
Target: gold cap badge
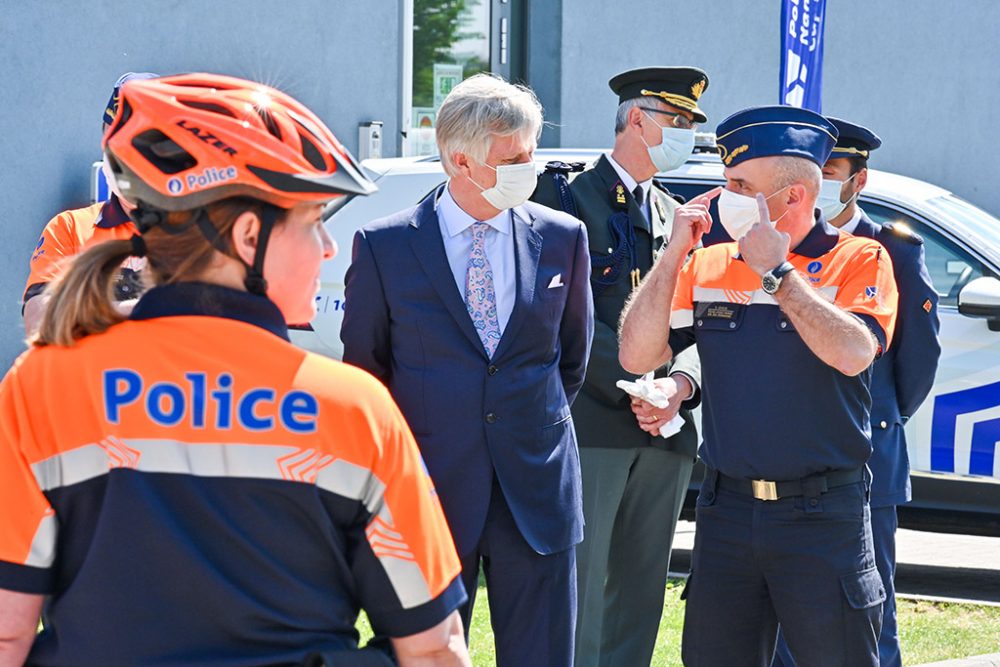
<point>698,88</point>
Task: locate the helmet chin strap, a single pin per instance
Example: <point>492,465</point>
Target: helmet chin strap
<point>147,218</point>
<point>255,281</point>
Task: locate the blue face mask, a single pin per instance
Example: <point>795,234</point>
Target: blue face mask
<point>675,147</point>
<point>829,197</point>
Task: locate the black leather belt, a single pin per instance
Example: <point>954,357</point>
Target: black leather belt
<point>766,490</point>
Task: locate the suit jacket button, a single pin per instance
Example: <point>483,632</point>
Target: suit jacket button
<point>492,370</point>
<point>883,424</point>
<point>490,418</point>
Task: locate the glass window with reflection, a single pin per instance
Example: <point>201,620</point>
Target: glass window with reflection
<point>450,43</point>
<point>950,267</point>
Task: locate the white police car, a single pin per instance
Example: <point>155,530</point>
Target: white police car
<point>953,438</point>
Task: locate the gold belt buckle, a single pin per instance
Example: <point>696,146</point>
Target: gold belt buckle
<point>764,490</point>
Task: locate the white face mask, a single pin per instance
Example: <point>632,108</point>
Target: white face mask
<point>738,213</point>
<point>674,149</point>
<point>829,198</point>
<point>515,183</point>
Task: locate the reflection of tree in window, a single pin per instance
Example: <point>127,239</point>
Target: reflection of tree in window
<point>438,25</point>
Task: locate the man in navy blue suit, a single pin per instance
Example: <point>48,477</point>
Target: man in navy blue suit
<point>475,309</point>
<point>902,377</point>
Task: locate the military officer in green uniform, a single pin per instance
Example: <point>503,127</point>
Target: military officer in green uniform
<point>634,480</point>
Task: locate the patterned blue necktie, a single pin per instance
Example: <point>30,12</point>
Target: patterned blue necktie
<point>480,297</point>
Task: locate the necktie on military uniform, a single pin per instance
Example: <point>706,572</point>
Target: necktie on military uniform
<point>480,295</point>
<point>640,201</point>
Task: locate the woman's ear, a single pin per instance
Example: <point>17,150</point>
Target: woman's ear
<point>244,236</point>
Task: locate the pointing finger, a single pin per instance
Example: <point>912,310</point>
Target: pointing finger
<point>706,198</point>
<point>765,214</point>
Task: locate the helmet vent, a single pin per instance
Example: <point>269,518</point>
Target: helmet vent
<point>163,152</point>
<point>208,106</point>
<point>269,122</point>
<point>312,153</point>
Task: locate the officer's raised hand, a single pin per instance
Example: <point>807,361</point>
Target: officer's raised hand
<point>763,247</point>
<point>692,221</point>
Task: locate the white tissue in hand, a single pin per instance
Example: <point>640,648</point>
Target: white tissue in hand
<point>672,427</point>
<point>646,389</point>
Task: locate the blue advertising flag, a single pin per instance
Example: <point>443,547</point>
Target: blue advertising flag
<point>801,83</point>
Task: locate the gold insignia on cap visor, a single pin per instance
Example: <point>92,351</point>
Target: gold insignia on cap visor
<point>670,98</point>
<point>850,151</point>
<point>698,88</point>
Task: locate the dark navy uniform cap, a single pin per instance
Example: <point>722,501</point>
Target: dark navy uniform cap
<point>680,87</point>
<point>854,140</point>
<point>778,130</point>
<point>111,108</point>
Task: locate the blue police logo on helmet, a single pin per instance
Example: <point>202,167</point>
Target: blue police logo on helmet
<point>871,291</point>
<point>175,185</point>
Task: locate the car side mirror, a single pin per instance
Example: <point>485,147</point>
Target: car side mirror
<point>981,298</point>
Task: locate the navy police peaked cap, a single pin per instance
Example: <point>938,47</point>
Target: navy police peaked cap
<point>679,87</point>
<point>111,108</point>
<point>854,140</point>
<point>778,130</point>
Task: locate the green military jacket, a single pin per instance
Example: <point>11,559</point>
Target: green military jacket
<point>602,412</point>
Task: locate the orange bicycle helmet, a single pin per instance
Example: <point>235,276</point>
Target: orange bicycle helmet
<point>181,142</point>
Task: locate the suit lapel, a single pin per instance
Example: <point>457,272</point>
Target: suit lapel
<point>428,247</point>
<point>527,252</point>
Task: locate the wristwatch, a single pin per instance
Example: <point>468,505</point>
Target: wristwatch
<point>771,280</point>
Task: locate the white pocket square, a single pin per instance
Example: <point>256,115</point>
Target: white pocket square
<point>556,281</point>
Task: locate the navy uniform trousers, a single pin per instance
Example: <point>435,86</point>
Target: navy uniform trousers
<point>524,637</point>
<point>804,561</point>
<point>884,524</point>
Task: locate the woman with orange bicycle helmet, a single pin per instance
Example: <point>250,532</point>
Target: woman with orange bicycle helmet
<point>179,143</point>
<point>186,485</point>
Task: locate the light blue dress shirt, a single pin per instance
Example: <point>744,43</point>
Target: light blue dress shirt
<point>457,235</point>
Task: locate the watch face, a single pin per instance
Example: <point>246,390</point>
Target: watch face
<point>770,283</point>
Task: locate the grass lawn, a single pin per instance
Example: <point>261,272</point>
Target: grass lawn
<point>929,631</point>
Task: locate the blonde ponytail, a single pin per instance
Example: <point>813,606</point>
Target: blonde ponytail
<point>81,301</point>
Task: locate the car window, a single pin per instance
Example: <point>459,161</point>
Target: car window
<point>950,267</point>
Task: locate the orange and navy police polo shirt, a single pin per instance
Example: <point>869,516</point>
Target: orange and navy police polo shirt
<point>189,488</point>
<point>72,232</point>
<point>772,409</point>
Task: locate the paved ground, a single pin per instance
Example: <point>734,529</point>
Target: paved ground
<point>962,567</point>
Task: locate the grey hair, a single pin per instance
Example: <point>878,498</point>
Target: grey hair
<point>788,170</point>
<point>621,118</point>
<point>479,108</point>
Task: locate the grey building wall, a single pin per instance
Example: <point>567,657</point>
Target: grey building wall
<point>923,74</point>
<point>59,60</point>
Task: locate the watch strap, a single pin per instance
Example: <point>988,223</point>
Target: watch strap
<point>782,270</point>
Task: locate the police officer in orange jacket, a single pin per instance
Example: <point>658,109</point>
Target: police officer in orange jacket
<point>903,376</point>
<point>71,232</point>
<point>787,321</point>
<point>213,494</point>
